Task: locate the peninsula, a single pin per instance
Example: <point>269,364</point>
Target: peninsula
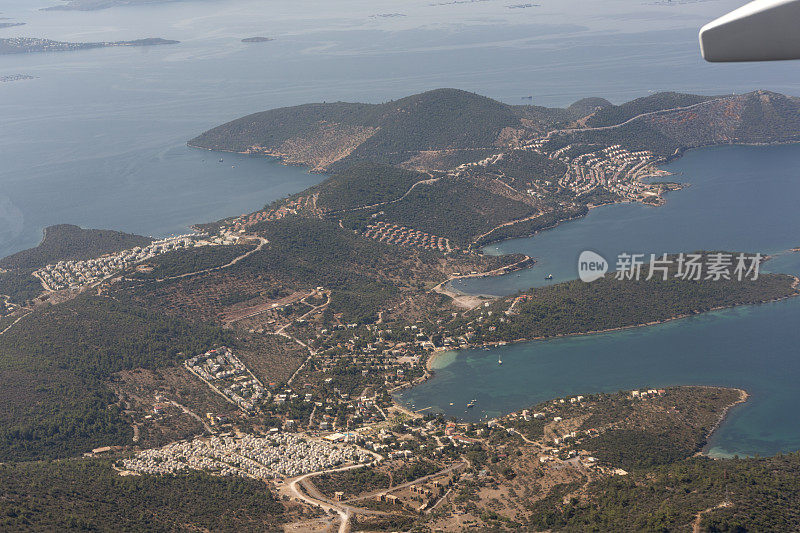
<point>27,45</point>
<point>94,5</point>
<point>267,347</point>
<point>257,39</point>
<point>16,77</point>
<point>463,152</point>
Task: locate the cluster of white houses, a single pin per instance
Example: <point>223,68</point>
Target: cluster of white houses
<point>274,456</point>
<point>228,376</point>
<point>613,168</point>
<point>76,274</point>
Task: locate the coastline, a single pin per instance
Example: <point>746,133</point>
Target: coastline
<point>277,157</point>
<point>589,208</point>
<point>659,173</point>
<point>469,301</point>
<point>680,151</point>
<point>430,371</point>
<point>743,397</point>
<point>535,233</point>
<point>281,158</point>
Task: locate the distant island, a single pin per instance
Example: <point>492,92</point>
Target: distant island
<point>16,77</point>
<point>94,5</point>
<point>456,2</point>
<point>10,24</point>
<point>257,39</point>
<point>28,45</point>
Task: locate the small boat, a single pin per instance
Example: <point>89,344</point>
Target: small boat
<point>220,160</point>
<point>549,276</point>
<point>499,361</point>
<point>471,404</point>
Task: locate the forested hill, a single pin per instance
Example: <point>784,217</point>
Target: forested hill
<point>443,128</point>
<point>753,118</point>
<point>557,116</point>
<point>68,242</point>
<point>320,135</point>
<point>617,114</point>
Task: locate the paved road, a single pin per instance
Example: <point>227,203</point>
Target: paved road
<point>343,511</point>
<point>261,243</point>
<point>650,113</point>
<point>401,486</point>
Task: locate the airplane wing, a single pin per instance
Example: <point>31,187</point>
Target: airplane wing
<point>763,30</point>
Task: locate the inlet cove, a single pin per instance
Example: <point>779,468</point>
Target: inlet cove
<point>738,198</point>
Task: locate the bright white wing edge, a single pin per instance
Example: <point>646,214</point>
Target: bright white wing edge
<point>763,30</point>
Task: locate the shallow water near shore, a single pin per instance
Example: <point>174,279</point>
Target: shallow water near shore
<point>741,198</point>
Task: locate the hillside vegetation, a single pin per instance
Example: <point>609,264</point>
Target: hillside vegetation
<point>571,307</point>
<point>422,130</point>
<point>363,275</point>
<point>67,242</point>
<point>617,114</point>
<point>364,184</point>
<point>558,116</point>
<point>738,495</point>
<point>19,285</point>
<point>391,133</point>
<point>89,495</point>
<point>757,117</point>
<point>456,209</point>
<point>53,372</point>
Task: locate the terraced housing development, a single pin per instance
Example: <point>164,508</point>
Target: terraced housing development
<point>613,168</point>
<point>402,236</point>
<point>221,370</point>
<point>265,458</point>
<point>77,274</point>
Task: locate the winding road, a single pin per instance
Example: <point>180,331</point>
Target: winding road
<point>261,244</point>
<point>292,489</point>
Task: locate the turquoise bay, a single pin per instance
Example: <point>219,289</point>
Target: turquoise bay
<point>740,198</point>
